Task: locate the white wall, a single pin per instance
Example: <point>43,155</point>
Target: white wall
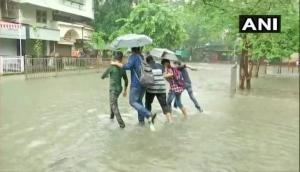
<point>44,34</point>
<point>8,47</point>
<point>65,27</point>
<point>86,11</point>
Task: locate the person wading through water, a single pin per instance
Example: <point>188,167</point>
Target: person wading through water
<point>188,84</point>
<point>158,89</point>
<point>174,77</point>
<point>115,87</point>
<point>137,91</point>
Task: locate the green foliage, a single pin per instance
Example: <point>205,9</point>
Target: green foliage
<point>200,21</point>
<point>37,48</point>
<point>207,20</point>
<point>36,45</point>
<point>98,40</point>
<point>107,12</point>
<point>279,45</point>
<point>157,21</point>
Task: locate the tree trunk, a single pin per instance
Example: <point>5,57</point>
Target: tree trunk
<point>257,68</point>
<point>248,79</point>
<point>244,72</point>
<point>280,66</point>
<point>266,68</point>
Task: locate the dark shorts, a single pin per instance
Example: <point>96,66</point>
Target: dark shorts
<point>162,99</point>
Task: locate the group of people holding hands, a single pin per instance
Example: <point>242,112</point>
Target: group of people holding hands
<point>174,73</point>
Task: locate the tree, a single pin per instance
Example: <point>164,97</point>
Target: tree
<point>98,41</point>
<point>106,14</point>
<point>279,46</point>
<point>218,16</point>
<point>155,20</point>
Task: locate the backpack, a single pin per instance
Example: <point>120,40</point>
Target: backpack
<point>146,79</point>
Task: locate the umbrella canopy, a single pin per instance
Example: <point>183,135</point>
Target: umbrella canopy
<point>158,52</point>
<point>171,57</point>
<point>131,40</point>
<point>164,54</point>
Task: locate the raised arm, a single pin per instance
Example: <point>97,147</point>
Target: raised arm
<point>129,64</point>
<point>187,66</point>
<point>125,66</point>
<point>190,67</point>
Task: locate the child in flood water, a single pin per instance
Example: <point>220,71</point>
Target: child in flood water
<point>115,88</point>
<point>174,76</point>
<point>188,84</point>
<point>158,89</point>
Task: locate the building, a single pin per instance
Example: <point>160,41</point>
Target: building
<point>44,27</point>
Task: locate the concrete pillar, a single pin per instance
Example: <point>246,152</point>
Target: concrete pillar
<point>22,64</point>
<point>1,65</point>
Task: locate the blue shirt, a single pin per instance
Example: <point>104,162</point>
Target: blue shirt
<point>186,76</point>
<point>134,65</point>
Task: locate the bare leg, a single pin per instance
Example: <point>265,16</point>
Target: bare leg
<point>162,99</point>
<point>182,108</point>
<point>169,118</point>
<point>184,112</point>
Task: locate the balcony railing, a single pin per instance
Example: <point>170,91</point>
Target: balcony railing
<point>11,64</point>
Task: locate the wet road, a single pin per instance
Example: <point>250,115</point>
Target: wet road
<point>62,124</point>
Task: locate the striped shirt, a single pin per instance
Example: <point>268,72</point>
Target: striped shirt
<point>159,85</point>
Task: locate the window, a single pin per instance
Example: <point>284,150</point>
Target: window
<point>8,9</point>
<point>75,3</point>
<point>41,16</point>
<point>81,2</point>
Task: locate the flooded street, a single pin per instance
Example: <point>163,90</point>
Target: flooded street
<point>62,124</point>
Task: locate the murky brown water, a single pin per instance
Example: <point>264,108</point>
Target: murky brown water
<point>62,124</point>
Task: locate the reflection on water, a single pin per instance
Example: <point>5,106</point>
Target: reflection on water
<point>62,124</point>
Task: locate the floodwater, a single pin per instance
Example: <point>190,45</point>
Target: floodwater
<point>62,124</point>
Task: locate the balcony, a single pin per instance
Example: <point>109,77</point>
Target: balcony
<point>82,8</point>
<point>43,33</point>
